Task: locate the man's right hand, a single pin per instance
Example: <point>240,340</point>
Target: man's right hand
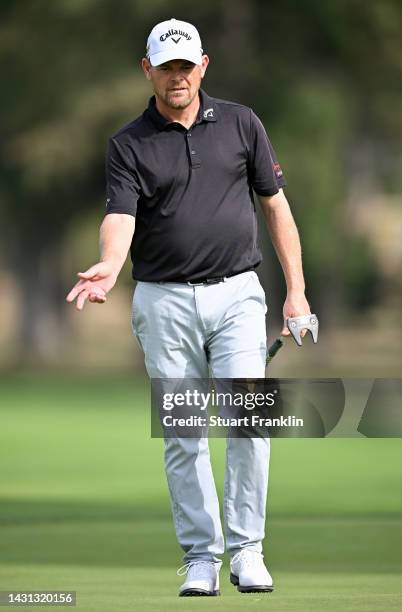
<point>94,284</point>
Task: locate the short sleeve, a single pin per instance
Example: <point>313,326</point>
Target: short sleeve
<point>122,188</point>
<point>266,176</point>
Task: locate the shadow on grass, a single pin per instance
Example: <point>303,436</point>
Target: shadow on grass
<point>16,511</point>
<point>101,535</point>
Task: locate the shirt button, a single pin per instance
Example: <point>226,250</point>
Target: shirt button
<point>193,152</point>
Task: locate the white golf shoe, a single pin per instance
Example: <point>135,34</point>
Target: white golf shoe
<point>249,574</point>
<point>202,578</point>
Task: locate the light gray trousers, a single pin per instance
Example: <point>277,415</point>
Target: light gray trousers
<point>195,332</point>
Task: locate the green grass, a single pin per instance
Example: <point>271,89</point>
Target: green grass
<point>84,506</point>
<point>123,589</point>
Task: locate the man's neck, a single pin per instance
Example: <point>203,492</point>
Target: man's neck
<point>186,116</point>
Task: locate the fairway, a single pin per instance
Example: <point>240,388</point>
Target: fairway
<point>84,507</point>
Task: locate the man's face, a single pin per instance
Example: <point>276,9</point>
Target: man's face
<point>177,82</point>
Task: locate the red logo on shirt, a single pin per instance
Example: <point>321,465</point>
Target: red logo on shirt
<point>278,170</point>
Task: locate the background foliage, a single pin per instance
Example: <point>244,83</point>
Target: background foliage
<point>325,77</point>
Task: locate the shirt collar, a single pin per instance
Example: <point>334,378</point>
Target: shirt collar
<point>207,111</point>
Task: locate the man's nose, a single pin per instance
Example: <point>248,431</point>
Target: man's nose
<point>178,74</point>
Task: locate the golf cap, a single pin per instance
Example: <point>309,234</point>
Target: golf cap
<point>174,39</point>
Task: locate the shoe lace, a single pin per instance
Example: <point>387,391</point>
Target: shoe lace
<point>249,557</point>
<point>185,568</point>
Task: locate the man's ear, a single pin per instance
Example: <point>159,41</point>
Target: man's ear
<point>146,67</point>
<point>204,65</point>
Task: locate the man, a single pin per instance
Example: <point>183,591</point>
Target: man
<point>183,174</point>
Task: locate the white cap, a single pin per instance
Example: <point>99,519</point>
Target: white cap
<point>174,39</point>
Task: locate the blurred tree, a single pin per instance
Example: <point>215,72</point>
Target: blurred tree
<point>330,86</point>
<point>70,68</point>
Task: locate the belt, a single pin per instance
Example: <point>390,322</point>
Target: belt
<point>215,279</point>
<point>208,281</point>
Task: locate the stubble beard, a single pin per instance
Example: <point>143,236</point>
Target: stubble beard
<point>170,101</point>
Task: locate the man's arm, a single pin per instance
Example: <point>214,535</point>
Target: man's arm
<point>115,236</point>
<point>285,238</point>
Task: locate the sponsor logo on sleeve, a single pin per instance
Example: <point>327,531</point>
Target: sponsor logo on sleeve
<point>277,170</point>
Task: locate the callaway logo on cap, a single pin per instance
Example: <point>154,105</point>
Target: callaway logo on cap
<point>174,39</point>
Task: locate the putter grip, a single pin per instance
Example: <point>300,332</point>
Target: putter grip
<point>274,348</point>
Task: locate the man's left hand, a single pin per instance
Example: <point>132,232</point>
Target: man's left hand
<point>296,305</point>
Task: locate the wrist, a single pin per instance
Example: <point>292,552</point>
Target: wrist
<point>113,262</point>
<point>296,289</point>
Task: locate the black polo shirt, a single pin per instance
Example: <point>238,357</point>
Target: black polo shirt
<point>191,190</point>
